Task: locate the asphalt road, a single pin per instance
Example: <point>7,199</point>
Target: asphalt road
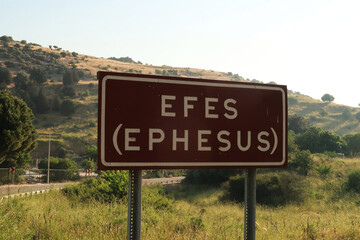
<point>6,190</point>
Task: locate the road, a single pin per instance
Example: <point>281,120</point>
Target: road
<point>6,190</point>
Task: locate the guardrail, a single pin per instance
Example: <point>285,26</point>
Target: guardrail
<point>12,176</point>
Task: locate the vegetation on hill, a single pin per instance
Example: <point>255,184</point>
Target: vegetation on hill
<point>60,88</point>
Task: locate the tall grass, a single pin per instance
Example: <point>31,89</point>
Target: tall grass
<point>330,212</point>
<point>202,216</point>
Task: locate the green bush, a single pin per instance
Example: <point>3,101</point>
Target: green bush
<point>110,186</point>
<point>155,197</point>
<point>209,176</point>
<point>61,169</point>
<point>271,188</point>
<point>67,107</point>
<point>302,162</point>
<point>353,181</point>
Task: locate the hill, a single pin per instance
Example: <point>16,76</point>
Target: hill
<point>71,133</point>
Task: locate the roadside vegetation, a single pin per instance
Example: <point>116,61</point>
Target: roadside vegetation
<point>324,208</point>
<point>316,197</point>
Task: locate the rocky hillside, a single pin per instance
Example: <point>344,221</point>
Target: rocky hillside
<point>71,132</point>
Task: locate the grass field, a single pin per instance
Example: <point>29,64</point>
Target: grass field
<point>188,212</point>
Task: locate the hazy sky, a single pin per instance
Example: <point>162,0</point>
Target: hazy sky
<point>312,46</point>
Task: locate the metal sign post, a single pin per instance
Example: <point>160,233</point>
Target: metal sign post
<point>250,204</point>
<point>134,205</point>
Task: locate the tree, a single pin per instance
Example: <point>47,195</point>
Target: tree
<point>68,90</point>
<point>5,76</point>
<point>298,124</point>
<point>38,75</point>
<point>42,102</point>
<point>26,89</point>
<point>56,103</point>
<point>67,169</point>
<point>17,132</point>
<point>353,143</point>
<point>327,98</point>
<point>357,116</point>
<point>70,77</point>
<point>316,140</point>
<point>346,115</point>
<point>67,107</point>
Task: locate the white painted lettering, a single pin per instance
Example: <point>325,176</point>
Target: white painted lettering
<point>165,106</point>
<point>248,144</point>
<point>223,140</point>
<point>188,106</point>
<point>208,108</point>
<point>177,139</point>
<point>152,139</point>
<point>231,109</point>
<point>129,139</point>
<point>264,141</point>
<point>202,140</point>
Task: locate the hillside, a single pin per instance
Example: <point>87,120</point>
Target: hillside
<point>71,133</point>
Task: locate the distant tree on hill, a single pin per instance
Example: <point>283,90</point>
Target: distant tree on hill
<point>18,134</point>
<point>56,103</point>
<point>298,124</point>
<point>67,107</point>
<point>357,116</point>
<point>38,75</point>
<point>346,114</point>
<point>292,101</point>
<point>42,102</point>
<point>26,89</point>
<point>5,77</point>
<point>6,39</point>
<point>70,77</point>
<point>68,91</point>
<point>327,98</point>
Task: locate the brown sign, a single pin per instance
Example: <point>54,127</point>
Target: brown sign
<point>154,122</point>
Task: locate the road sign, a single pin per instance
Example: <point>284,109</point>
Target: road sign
<point>11,169</point>
<point>154,122</point>
<point>88,170</point>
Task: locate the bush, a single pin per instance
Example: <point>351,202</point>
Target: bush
<point>155,198</point>
<point>68,91</point>
<point>209,176</point>
<point>5,76</point>
<point>271,188</point>
<point>65,169</point>
<point>67,107</point>
<point>353,181</point>
<point>110,186</point>
<point>302,162</point>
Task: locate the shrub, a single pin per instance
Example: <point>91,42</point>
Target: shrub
<point>155,198</point>
<point>302,162</point>
<point>65,169</point>
<point>67,107</point>
<point>110,186</point>
<point>324,170</point>
<point>5,76</point>
<point>353,181</point>
<point>209,176</point>
<point>271,188</point>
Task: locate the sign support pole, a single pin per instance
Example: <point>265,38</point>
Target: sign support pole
<point>134,205</point>
<point>250,204</point>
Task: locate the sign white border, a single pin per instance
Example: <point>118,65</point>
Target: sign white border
<point>186,164</point>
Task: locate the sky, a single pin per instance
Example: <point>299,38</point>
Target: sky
<point>312,46</point>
